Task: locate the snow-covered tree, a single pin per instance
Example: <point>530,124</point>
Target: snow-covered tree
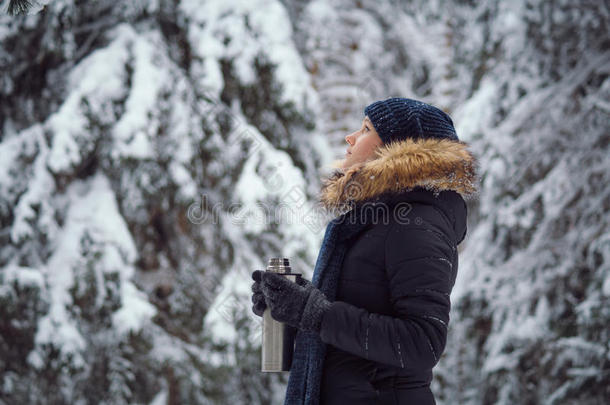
<point>146,147</point>
<point>128,130</point>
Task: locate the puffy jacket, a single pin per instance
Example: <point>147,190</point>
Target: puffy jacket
<point>387,328</point>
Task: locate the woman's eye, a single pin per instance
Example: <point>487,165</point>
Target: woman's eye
<point>366,128</point>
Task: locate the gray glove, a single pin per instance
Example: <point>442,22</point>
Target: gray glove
<point>298,306</point>
<point>258,298</point>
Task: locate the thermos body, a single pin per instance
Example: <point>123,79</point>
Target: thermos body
<point>278,338</point>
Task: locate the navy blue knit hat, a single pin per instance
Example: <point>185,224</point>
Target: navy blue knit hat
<point>395,119</point>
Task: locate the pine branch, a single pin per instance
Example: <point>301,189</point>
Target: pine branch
<point>20,6</point>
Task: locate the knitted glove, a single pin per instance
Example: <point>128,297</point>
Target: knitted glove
<point>258,299</point>
<point>290,303</point>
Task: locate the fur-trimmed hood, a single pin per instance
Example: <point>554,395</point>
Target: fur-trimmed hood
<point>434,164</point>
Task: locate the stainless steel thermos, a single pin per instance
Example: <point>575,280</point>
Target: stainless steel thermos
<point>278,338</point>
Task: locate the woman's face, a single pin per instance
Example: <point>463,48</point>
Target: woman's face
<point>362,144</point>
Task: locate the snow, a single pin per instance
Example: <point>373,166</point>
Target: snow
<point>323,147</point>
<point>219,318</point>
<point>268,172</point>
<point>38,193</point>
<point>100,76</point>
<point>218,32</point>
<point>10,148</point>
<point>23,276</point>
<point>473,116</point>
<point>134,130</point>
<point>234,292</point>
<point>93,212</point>
<point>135,311</point>
<point>66,124</point>
<point>161,398</point>
<point>271,21</point>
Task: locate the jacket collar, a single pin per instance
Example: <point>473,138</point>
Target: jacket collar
<point>431,164</point>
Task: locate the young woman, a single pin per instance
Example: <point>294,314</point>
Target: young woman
<point>373,322</point>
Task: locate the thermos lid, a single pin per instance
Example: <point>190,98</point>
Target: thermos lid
<point>279,265</point>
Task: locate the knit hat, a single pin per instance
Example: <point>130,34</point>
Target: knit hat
<point>395,119</point>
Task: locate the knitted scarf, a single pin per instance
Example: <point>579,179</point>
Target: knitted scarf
<point>308,358</point>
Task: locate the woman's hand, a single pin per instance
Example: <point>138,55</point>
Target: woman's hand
<point>258,299</point>
<point>300,305</point>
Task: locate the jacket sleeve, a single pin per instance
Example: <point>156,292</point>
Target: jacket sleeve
<point>419,265</point>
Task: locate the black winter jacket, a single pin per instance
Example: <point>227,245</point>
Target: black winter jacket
<point>387,328</point>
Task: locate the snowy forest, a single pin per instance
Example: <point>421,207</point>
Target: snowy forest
<point>145,147</point>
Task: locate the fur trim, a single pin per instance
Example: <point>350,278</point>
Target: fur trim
<point>434,164</point>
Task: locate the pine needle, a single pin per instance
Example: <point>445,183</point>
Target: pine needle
<point>20,6</point>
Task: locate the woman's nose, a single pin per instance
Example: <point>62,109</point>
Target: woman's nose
<point>350,139</point>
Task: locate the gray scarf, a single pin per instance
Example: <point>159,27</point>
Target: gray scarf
<point>308,358</point>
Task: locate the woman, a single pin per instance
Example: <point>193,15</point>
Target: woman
<point>373,323</point>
